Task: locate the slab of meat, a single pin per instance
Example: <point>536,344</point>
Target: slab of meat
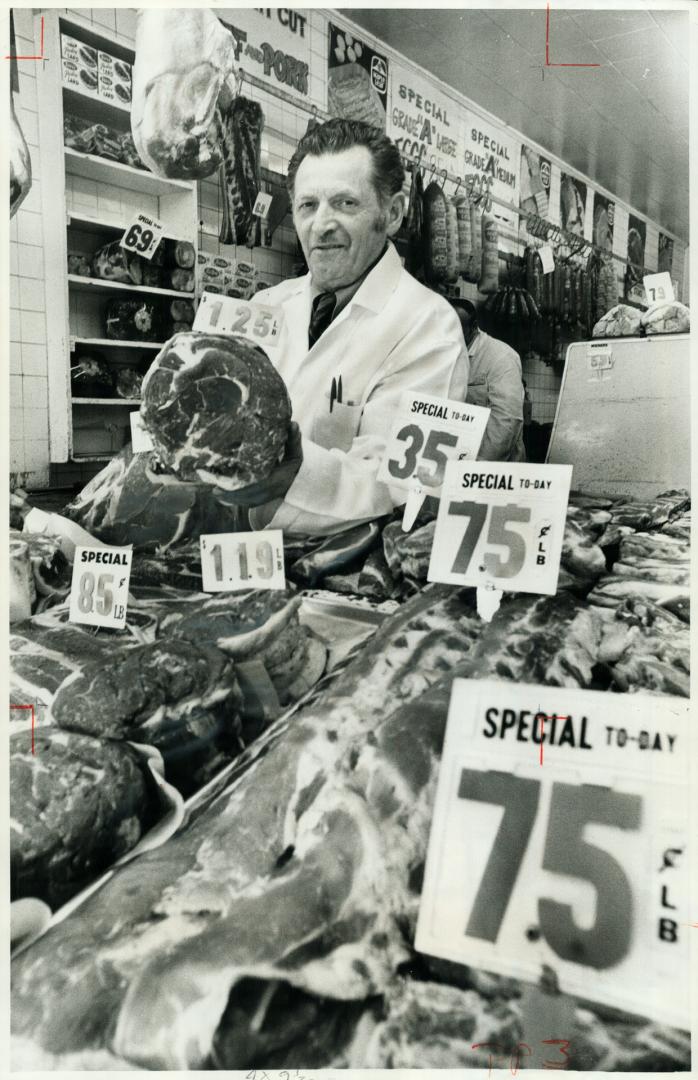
<point>51,571</point>
<point>77,805</point>
<point>215,405</point>
<point>645,647</point>
<point>133,500</point>
<point>241,123</point>
<point>184,58</point>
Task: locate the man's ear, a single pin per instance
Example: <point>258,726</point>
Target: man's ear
<point>395,213</point>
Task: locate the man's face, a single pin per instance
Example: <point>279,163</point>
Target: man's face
<point>338,216</point>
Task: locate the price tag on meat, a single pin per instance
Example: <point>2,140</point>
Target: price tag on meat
<point>259,323</point>
<point>427,432</point>
<point>99,589</point>
<point>500,525</point>
<point>262,204</point>
<point>246,560</point>
<point>143,235</point>
<point>658,287</point>
<point>575,858</point>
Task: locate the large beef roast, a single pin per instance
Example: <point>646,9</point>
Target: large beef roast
<point>132,501</point>
<point>214,403</point>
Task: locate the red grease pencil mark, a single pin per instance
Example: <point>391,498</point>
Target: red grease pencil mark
<point>547,46</point>
<point>32,709</point>
<point>41,57</point>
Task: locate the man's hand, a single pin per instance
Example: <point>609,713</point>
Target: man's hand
<point>273,487</point>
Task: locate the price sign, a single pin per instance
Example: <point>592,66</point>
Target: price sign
<point>427,433</point>
<point>99,589</point>
<point>143,235</point>
<point>500,524</point>
<point>658,287</point>
<point>580,863</point>
<point>246,560</point>
<point>546,257</point>
<point>141,441</point>
<point>262,204</point>
<point>259,323</point>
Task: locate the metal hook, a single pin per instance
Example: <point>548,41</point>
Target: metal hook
<point>459,181</point>
<point>444,173</point>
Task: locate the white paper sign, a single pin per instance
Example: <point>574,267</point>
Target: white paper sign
<point>500,524</point>
<point>546,257</point>
<point>262,204</point>
<point>99,589</point>
<point>579,862</point>
<point>426,434</point>
<point>259,323</point>
<point>658,287</point>
<point>245,560</point>
<point>143,235</point>
<point>141,441</point>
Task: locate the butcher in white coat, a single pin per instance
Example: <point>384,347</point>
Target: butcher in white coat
<point>358,330</point>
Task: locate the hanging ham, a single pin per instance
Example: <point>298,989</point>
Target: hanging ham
<point>184,59</point>
<point>20,164</point>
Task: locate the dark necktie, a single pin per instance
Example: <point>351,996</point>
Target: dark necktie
<point>321,317</point>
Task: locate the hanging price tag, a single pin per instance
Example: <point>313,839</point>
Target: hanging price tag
<point>141,441</point>
<point>99,589</point>
<point>143,235</point>
<point>546,257</point>
<point>500,524</point>
<point>262,204</point>
<point>427,432</point>
<point>658,287</point>
<point>259,323</point>
<point>574,803</point>
<point>245,560</point>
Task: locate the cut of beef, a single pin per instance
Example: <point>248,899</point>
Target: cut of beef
<point>213,403</point>
<point>77,805</point>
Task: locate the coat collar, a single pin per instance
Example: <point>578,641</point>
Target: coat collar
<point>376,288</point>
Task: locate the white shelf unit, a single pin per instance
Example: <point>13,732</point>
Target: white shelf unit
<point>89,201</point>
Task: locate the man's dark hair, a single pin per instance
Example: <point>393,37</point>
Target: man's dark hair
<point>337,135</point>
<point>466,313</point>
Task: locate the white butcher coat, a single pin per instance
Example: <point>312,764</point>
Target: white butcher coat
<point>393,335</point>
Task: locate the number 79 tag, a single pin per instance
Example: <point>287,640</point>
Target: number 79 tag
<point>259,323</point>
<point>500,525</point>
<point>245,560</point>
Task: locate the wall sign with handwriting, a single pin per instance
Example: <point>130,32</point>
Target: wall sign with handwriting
<point>500,524</point>
<point>246,560</point>
<point>590,850</point>
<point>99,588</point>
<point>261,324</point>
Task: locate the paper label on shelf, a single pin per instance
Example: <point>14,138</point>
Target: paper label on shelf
<point>245,560</point>
<point>546,257</point>
<point>427,432</point>
<point>501,524</point>
<point>142,235</point>
<point>262,205</point>
<point>259,323</point>
<point>658,287</point>
<point>99,589</point>
<point>574,807</point>
<point>141,441</point>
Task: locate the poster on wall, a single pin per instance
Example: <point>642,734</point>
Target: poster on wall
<point>492,154</point>
<point>273,44</point>
<point>534,187</point>
<point>666,254</point>
<point>573,198</point>
<point>604,214</point>
<point>357,79</point>
<point>637,234</point>
<point>422,122</point>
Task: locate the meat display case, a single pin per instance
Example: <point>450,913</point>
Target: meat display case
<point>90,201</point>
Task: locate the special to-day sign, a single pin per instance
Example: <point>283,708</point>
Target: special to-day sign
<point>259,323</point>
<point>143,235</point>
<point>581,863</point>
<point>245,560</point>
<point>500,524</point>
<point>99,588</point>
<point>427,432</point>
